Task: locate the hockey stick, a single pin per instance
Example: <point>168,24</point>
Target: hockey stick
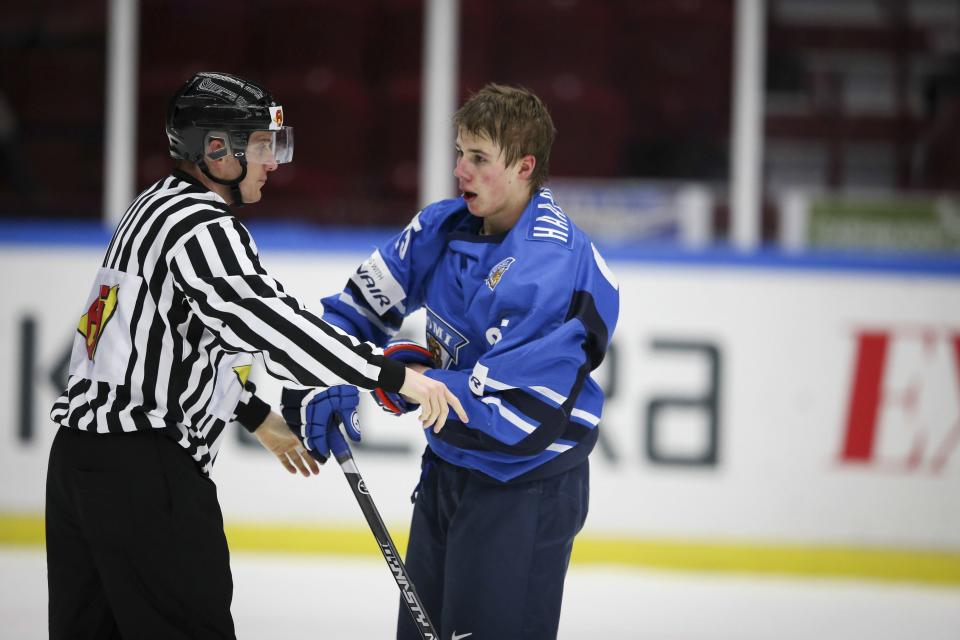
<point>341,450</point>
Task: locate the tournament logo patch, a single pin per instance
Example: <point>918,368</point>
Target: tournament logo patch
<point>493,278</point>
<point>94,321</point>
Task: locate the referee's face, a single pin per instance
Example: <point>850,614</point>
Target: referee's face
<point>256,172</point>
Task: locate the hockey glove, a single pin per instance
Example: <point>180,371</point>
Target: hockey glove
<point>315,415</point>
<point>408,352</point>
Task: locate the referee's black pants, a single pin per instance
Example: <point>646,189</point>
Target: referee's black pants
<point>135,543</point>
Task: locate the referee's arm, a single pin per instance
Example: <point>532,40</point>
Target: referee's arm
<point>225,285</point>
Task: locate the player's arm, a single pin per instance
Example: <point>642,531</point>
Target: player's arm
<point>388,285</point>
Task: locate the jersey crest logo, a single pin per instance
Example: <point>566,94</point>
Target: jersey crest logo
<point>434,346</point>
<point>493,278</point>
<point>94,321</point>
<point>443,340</point>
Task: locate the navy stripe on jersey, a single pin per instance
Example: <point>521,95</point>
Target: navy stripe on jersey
<point>583,308</point>
<point>552,423</point>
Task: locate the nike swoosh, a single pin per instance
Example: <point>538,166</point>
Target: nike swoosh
<point>462,635</point>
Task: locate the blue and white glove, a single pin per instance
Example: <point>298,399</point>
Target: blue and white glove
<point>315,415</point>
<point>408,352</point>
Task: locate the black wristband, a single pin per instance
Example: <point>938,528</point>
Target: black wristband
<point>252,414</point>
<point>392,373</point>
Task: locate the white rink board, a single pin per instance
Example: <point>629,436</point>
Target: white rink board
<point>786,344</point>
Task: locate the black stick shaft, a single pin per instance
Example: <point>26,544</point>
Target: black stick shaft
<point>410,596</point>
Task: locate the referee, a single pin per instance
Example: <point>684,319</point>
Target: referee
<point>164,344</point>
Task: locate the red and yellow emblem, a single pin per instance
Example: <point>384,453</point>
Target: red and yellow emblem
<point>276,118</point>
<point>92,323</point>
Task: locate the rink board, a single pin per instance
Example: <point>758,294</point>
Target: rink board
<point>757,411</point>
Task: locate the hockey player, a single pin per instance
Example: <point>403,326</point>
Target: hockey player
<point>134,533</point>
<point>520,309</point>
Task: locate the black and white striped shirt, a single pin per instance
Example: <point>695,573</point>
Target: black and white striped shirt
<point>178,307</point>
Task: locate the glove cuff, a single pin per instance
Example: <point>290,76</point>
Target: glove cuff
<point>407,351</point>
<point>387,402</point>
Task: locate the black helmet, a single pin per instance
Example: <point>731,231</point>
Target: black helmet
<point>228,108</point>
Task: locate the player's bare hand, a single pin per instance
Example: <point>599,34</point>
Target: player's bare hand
<point>434,398</point>
<point>276,438</point>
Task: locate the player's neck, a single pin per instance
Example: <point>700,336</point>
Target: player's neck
<point>505,219</point>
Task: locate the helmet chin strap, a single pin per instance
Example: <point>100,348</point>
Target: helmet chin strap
<point>233,184</point>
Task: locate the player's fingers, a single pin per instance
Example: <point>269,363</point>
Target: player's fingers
<point>454,402</point>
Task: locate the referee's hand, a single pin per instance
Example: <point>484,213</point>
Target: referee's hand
<point>434,398</point>
<point>276,438</point>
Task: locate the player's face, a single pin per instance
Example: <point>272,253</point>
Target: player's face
<point>256,173</point>
<point>492,191</point>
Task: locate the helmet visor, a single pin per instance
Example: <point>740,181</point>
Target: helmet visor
<point>268,147</point>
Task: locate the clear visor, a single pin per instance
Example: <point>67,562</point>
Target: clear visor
<point>268,147</point>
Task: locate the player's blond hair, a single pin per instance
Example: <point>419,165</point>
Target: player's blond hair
<point>514,119</point>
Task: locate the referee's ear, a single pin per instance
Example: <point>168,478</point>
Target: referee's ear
<point>216,150</point>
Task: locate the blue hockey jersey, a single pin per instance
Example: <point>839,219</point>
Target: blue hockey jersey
<point>516,321</point>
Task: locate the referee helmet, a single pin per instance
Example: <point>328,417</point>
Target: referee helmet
<point>228,108</point>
